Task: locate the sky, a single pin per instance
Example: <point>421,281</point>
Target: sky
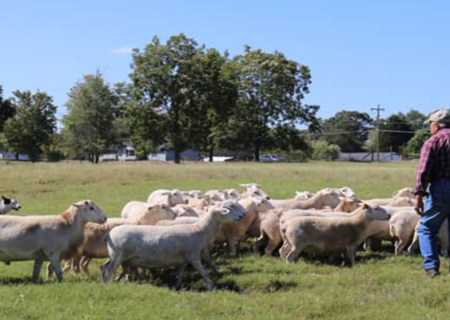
<point>361,53</point>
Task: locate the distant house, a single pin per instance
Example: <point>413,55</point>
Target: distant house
<point>164,153</point>
<point>4,155</point>
<point>122,153</point>
<point>368,156</point>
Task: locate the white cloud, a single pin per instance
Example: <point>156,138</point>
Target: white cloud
<point>122,50</point>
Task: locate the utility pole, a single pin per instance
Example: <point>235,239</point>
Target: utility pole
<point>378,109</point>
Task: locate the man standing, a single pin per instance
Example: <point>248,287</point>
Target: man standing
<point>433,172</point>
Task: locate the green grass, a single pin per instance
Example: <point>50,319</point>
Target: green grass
<point>379,286</point>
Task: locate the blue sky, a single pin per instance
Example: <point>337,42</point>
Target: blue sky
<point>361,52</point>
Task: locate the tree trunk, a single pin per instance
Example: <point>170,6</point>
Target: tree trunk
<point>256,154</point>
<point>97,158</point>
<point>177,156</point>
<point>211,153</point>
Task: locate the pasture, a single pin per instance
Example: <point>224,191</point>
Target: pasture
<point>379,286</point>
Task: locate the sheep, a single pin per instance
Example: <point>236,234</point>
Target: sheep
<point>442,237</point>
<point>217,195</point>
<point>169,197</point>
<point>51,238</point>
<point>201,203</point>
<point>270,225</point>
<point>398,229</point>
<point>194,194</point>
<point>135,209</point>
<point>184,210</point>
<point>234,232</point>
<point>396,201</point>
<point>303,195</point>
<point>401,228</point>
<point>325,197</point>
<point>405,192</point>
<point>319,234</point>
<point>253,190</point>
<point>94,245</point>
<point>165,246</point>
<point>7,204</point>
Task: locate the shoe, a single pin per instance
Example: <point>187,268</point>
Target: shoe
<point>431,273</point>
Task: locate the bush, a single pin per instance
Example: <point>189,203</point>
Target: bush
<point>322,150</point>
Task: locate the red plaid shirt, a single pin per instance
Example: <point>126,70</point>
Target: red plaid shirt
<point>434,160</point>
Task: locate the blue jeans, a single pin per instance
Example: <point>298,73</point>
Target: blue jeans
<point>437,209</point>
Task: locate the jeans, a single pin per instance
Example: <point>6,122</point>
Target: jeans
<point>436,209</point>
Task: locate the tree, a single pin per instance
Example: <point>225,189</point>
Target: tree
<point>30,129</point>
<point>322,150</point>
<point>271,88</point>
<point>414,145</point>
<point>415,119</point>
<point>347,129</point>
<point>6,110</point>
<point>88,127</point>
<point>395,132</point>
<point>165,78</point>
<point>218,98</point>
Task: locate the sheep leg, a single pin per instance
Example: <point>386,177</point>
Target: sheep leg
<point>399,246</point>
<point>259,243</point>
<point>210,262</point>
<point>198,266</point>
<point>109,267</point>
<point>54,260</point>
<point>67,265</point>
<point>84,264</point>
<point>293,254</point>
<point>350,255</point>
<point>37,269</point>
<point>180,276</point>
<point>50,271</point>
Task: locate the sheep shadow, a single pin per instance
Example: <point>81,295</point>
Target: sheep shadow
<point>277,285</point>
<point>13,281</point>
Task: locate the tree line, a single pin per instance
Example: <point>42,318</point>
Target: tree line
<point>189,96</point>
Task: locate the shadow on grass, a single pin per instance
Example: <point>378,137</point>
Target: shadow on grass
<point>12,281</point>
<point>276,285</point>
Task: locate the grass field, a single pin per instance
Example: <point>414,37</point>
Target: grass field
<point>380,286</point>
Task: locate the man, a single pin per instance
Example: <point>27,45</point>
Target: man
<point>433,172</point>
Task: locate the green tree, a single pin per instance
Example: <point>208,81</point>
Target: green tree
<point>30,129</point>
<point>347,129</point>
<point>414,145</point>
<point>271,89</point>
<point>395,132</point>
<point>89,125</point>
<point>6,110</point>
<point>217,85</point>
<point>165,78</point>
<point>415,119</point>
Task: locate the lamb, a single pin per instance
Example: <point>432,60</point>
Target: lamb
<point>165,246</point>
<point>319,234</point>
<point>325,197</point>
<point>303,195</point>
<point>51,238</point>
<point>194,194</point>
<point>201,203</point>
<point>94,245</point>
<point>169,197</point>
<point>7,204</point>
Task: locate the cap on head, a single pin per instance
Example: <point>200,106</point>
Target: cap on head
<point>439,116</point>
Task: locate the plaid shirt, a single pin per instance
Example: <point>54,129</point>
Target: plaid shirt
<point>434,160</point>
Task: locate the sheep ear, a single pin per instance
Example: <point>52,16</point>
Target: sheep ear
<point>76,205</point>
<point>150,207</point>
<point>166,193</point>
<point>245,185</point>
<point>225,211</point>
<point>4,198</point>
<point>366,206</point>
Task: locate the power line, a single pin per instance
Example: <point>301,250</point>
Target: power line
<point>378,109</point>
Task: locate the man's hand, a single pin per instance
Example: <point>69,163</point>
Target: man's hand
<point>419,205</point>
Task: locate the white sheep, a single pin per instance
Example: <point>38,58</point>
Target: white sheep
<point>169,197</point>
<point>135,209</point>
<point>165,246</point>
<point>7,204</point>
<point>324,198</point>
<point>184,210</point>
<point>442,238</point>
<point>94,245</point>
<point>316,234</point>
<point>253,190</point>
<point>51,237</point>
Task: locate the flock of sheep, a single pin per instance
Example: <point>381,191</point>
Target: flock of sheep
<point>177,228</point>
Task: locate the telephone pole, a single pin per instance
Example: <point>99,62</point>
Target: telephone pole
<point>378,109</point>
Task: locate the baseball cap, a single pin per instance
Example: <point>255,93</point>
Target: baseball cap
<point>439,115</point>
